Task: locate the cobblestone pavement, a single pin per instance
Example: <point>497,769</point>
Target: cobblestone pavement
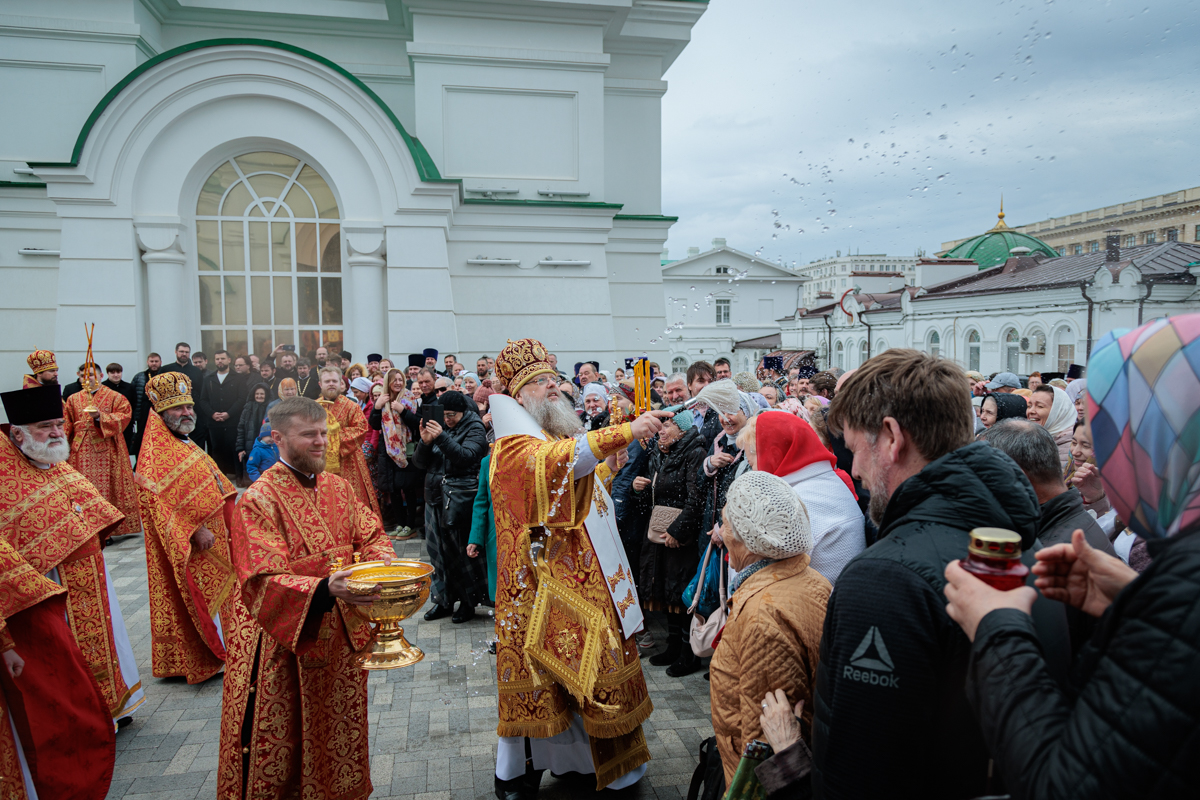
<point>433,726</point>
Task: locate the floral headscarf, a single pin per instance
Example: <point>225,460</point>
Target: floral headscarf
<point>1143,401</point>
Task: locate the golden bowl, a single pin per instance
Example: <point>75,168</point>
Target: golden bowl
<point>403,588</point>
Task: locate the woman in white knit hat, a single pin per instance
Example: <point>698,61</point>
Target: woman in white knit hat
<point>772,639</point>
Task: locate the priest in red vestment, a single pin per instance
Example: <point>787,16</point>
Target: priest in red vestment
<point>294,707</point>
<point>187,506</point>
<point>43,368</point>
<point>572,693</point>
<point>98,450</point>
<point>55,519</point>
<point>56,735</point>
<point>347,428</point>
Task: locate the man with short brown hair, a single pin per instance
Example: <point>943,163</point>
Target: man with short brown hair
<point>722,369</point>
<point>294,706</point>
<point>893,664</point>
<point>823,384</point>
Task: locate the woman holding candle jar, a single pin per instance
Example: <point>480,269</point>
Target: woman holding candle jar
<point>1127,723</point>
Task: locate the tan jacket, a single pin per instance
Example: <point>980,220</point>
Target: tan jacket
<point>771,641</point>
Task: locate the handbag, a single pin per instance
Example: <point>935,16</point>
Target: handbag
<point>458,500</point>
<point>706,629</point>
<point>661,517</point>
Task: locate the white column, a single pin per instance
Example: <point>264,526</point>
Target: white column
<point>366,320</point>
<point>169,293</point>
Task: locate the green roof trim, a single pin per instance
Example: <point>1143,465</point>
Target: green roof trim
<point>426,169</point>
<point>648,217</point>
<point>22,185</point>
<point>483,201</point>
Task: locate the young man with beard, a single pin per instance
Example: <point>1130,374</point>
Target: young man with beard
<point>185,500</point>
<point>294,705</point>
<point>546,485</point>
<point>890,685</point>
<point>222,395</point>
<point>141,405</point>
<point>348,424</point>
<point>306,380</point>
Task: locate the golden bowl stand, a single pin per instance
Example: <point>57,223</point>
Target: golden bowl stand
<point>403,587</point>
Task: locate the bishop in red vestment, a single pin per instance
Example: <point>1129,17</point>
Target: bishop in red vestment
<point>43,368</point>
<point>98,448</point>
<point>348,428</point>
<point>187,506</point>
<point>294,708</point>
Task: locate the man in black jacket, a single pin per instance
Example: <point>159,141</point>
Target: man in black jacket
<point>891,717</point>
<point>453,455</point>
<point>222,396</point>
<point>114,371</point>
<point>1034,450</point>
<point>142,404</point>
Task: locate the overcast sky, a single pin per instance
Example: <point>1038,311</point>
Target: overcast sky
<point>909,119</point>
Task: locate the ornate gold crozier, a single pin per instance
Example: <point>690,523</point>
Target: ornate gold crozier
<point>88,381</point>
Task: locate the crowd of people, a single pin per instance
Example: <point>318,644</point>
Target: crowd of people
<point>808,540</point>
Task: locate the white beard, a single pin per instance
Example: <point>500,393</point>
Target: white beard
<point>51,451</point>
<point>180,425</point>
<point>557,417</point>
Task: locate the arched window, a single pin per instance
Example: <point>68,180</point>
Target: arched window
<point>973,350</point>
<point>880,346</point>
<point>679,364</point>
<point>269,255</point>
<point>863,353</point>
<point>1012,350</point>
<point>935,344</point>
<point>839,356</point>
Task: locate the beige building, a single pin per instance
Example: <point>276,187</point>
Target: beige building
<point>1170,217</point>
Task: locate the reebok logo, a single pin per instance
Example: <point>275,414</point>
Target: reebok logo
<point>869,660</point>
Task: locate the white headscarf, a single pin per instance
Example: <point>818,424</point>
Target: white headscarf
<point>768,516</point>
<point>1062,414</point>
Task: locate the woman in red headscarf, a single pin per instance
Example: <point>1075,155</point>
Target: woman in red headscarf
<point>785,445</point>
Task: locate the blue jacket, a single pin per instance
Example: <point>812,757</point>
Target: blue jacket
<point>261,459</point>
<point>483,524</point>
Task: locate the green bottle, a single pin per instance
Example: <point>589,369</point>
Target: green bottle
<point>745,784</point>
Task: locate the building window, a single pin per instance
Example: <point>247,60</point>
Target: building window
<point>1198,233</point>
<point>973,349</point>
<point>1012,350</point>
<point>1077,249</point>
<point>935,344</point>
<point>843,283</point>
<point>722,312</point>
<point>269,256</point>
<point>1062,251</point>
<point>1094,247</point>
<point>1172,234</point>
<point>679,364</point>
<point>1131,239</point>
<point>839,356</point>
<point>722,270</point>
<point>863,353</point>
<point>1151,237</point>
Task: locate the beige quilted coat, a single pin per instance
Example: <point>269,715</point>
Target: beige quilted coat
<point>771,641</point>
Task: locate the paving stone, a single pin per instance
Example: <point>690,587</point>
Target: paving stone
<point>433,726</point>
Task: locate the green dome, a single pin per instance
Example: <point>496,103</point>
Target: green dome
<point>993,248</point>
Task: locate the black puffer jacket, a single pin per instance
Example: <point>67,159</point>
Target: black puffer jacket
<point>891,715</point>
<point>251,419</point>
<point>1128,724</point>
<point>666,571</point>
<point>715,486</point>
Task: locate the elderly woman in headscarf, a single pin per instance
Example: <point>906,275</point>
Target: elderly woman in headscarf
<point>998,406</point>
<point>784,445</point>
<point>595,406</point>
<point>1075,390</point>
<point>1128,722</point>
<point>772,637</point>
<point>667,489</point>
<point>1050,407</point>
<point>725,460</point>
